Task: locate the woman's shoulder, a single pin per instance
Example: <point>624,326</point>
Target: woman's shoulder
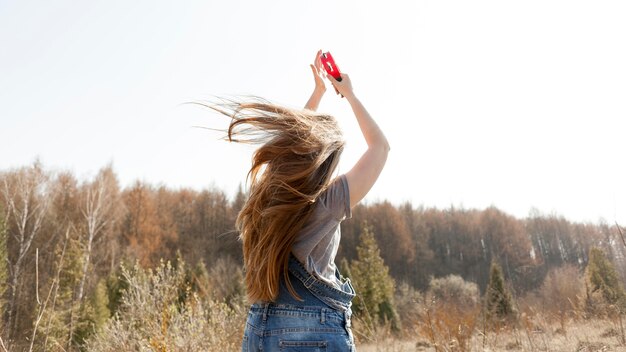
<point>336,198</point>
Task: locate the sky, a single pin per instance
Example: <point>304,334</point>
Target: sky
<point>514,104</point>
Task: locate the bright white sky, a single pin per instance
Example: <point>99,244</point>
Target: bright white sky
<point>517,104</point>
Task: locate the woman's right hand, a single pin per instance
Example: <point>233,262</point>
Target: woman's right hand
<point>343,87</point>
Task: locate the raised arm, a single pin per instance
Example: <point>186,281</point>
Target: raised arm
<point>365,172</point>
<point>320,87</point>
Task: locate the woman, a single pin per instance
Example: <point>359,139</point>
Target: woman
<point>290,223</point>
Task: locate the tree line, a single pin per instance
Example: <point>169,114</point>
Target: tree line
<point>63,239</point>
<point>417,243</point>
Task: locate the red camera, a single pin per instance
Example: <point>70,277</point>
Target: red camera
<point>331,67</point>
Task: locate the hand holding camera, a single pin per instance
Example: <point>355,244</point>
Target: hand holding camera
<point>340,81</point>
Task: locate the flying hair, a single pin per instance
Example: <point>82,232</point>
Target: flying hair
<point>297,156</point>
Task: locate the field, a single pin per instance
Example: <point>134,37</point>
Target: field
<point>161,270</point>
<point>581,336</point>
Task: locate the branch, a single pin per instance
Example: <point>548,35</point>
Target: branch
<point>620,233</point>
<point>2,345</point>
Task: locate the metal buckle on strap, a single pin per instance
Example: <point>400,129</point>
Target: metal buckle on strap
<point>347,314</point>
<point>309,281</point>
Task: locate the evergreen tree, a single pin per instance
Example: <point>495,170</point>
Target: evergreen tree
<point>603,279</point>
<point>200,279</point>
<point>116,284</point>
<point>100,302</point>
<point>373,284</point>
<point>499,303</point>
<point>63,316</point>
<point>185,284</point>
<point>344,268</point>
<point>94,313</point>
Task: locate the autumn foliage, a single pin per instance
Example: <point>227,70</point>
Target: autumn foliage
<point>65,242</point>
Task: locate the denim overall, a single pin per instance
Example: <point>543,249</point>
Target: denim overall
<point>319,323</point>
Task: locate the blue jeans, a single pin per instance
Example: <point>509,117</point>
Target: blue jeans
<point>319,323</point>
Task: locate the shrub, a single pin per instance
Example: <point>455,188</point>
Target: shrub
<point>449,327</point>
<point>409,304</point>
<point>152,317</point>
<point>560,292</point>
<point>452,289</point>
<point>231,290</point>
<point>451,313</point>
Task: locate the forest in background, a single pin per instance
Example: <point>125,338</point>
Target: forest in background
<point>65,244</point>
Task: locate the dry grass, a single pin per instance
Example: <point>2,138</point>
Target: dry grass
<point>537,335</point>
<point>556,317</point>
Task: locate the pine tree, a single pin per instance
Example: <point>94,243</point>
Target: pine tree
<point>116,284</point>
<point>372,283</point>
<point>100,302</point>
<point>94,313</point>
<point>200,279</point>
<point>62,317</point>
<point>499,303</point>
<point>344,268</point>
<point>603,279</point>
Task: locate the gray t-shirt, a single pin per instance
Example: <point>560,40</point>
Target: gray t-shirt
<point>317,243</point>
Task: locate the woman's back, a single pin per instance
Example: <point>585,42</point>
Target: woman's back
<point>317,243</point>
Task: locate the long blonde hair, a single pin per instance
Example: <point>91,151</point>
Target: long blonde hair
<point>298,154</point>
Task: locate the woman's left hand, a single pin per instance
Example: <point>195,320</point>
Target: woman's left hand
<point>320,86</point>
<point>318,73</point>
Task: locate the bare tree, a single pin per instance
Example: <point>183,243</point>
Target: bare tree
<point>26,193</point>
<point>99,206</point>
